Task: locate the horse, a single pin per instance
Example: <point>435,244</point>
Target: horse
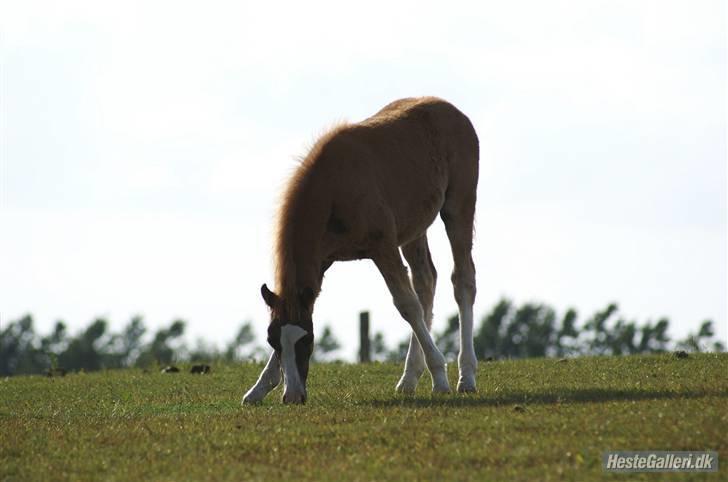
<point>369,190</point>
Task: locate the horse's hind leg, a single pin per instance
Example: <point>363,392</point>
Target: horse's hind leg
<point>390,264</point>
<point>457,214</point>
<point>424,277</point>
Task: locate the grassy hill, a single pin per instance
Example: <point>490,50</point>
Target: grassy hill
<point>538,419</point>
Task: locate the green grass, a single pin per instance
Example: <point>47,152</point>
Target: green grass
<point>531,420</point>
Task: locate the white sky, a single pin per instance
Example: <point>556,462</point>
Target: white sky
<point>144,145</point>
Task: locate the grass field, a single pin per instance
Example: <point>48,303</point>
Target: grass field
<point>535,419</point>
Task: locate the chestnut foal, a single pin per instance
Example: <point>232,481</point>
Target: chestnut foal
<point>370,190</point>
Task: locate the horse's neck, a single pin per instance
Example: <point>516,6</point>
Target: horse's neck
<point>300,283</point>
<point>302,269</point>
<point>308,272</point>
<point>303,239</point>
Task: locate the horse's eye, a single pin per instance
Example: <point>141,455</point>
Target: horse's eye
<point>274,337</point>
<point>274,343</point>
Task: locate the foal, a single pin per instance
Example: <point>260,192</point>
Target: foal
<point>369,190</point>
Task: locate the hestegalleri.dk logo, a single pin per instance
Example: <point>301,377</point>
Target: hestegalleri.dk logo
<point>660,461</point>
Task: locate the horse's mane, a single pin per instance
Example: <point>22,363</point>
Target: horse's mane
<point>288,212</point>
<point>299,212</point>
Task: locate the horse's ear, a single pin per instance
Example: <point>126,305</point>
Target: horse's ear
<point>306,297</point>
<point>270,298</point>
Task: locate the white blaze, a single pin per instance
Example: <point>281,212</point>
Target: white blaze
<point>290,334</point>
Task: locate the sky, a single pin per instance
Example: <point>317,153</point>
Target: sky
<point>143,147</point>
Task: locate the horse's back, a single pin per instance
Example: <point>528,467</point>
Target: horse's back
<point>402,162</point>
<point>423,130</point>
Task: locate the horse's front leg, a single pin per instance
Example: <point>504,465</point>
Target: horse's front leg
<point>269,378</point>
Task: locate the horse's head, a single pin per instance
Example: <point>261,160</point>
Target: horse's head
<point>290,333</point>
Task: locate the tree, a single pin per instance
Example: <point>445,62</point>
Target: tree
<point>531,332</point>
<point>19,351</point>
<point>654,338</point>
<point>599,340</point>
<point>700,341</point>
<point>567,338</point>
<point>132,341</point>
<point>399,352</point>
<point>125,348</point>
<point>488,339</point>
<point>448,340</point>
<point>87,350</point>
<point>161,350</point>
<point>379,347</point>
<point>236,349</point>
<point>202,352</point>
<point>326,345</point>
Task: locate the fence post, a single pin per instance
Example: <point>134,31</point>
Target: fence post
<point>364,345</point>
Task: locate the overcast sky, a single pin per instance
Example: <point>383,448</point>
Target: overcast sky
<point>144,145</point>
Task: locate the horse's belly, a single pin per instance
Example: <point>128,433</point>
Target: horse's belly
<point>419,215</point>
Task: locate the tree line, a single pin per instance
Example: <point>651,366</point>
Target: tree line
<point>24,351</point>
<point>506,331</point>
<point>535,330</point>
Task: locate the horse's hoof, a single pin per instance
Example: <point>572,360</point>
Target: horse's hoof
<point>252,397</point>
<point>294,397</point>
<point>466,386</point>
<point>440,384</point>
<point>406,386</point>
<point>441,388</point>
<point>250,401</point>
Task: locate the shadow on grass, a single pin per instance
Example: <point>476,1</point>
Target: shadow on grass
<point>587,395</point>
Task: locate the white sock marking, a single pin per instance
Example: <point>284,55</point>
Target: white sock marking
<point>269,378</point>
